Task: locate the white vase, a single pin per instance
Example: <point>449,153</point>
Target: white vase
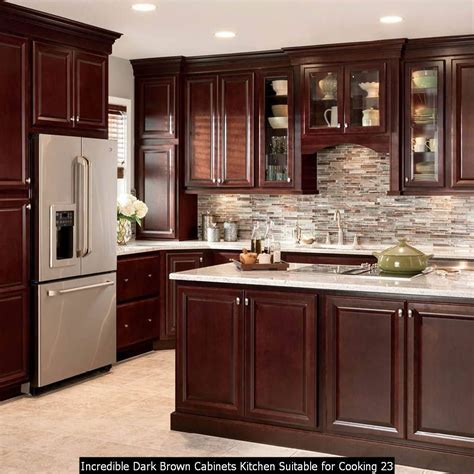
<point>124,231</point>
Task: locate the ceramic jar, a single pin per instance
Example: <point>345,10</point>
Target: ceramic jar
<point>328,86</point>
<point>370,117</point>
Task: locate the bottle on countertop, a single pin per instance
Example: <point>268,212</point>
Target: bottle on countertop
<point>268,237</point>
<point>256,239</point>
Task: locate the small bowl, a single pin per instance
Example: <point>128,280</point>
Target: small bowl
<point>278,122</point>
<point>280,87</point>
<point>280,110</point>
<point>372,88</point>
<point>426,79</point>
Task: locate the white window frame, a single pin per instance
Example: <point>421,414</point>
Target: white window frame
<point>127,103</point>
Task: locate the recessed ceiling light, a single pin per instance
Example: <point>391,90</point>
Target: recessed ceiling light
<point>391,19</point>
<point>224,34</point>
<point>143,7</point>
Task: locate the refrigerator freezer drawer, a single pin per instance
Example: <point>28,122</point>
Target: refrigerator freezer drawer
<point>76,327</point>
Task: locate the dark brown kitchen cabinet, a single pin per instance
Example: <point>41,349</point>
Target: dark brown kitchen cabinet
<point>137,322</point>
<point>14,243</point>
<point>157,102</point>
<point>53,85</point>
<point>70,88</point>
<point>365,366</point>
<point>13,100</point>
<point>463,123</point>
<point>176,262</point>
<point>201,131</point>
<point>90,90</point>
<point>219,131</point>
<point>441,374</point>
<point>344,99</point>
<point>156,185</point>
<point>209,355</point>
<point>281,364</point>
<point>14,317</point>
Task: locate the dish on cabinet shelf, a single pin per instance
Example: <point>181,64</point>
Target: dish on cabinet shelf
<point>280,110</point>
<point>278,122</point>
<point>372,89</point>
<point>280,87</point>
<point>425,79</point>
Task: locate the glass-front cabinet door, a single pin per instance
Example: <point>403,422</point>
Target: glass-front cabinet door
<point>276,168</point>
<point>424,160</point>
<point>323,100</point>
<point>364,110</point>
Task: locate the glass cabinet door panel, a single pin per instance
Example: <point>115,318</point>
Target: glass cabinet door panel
<point>424,137</point>
<point>324,100</point>
<point>365,99</point>
<point>276,155</point>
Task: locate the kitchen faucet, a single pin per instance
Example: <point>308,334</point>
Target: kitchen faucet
<point>340,232</point>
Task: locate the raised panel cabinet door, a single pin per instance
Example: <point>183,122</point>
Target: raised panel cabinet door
<point>14,244</point>
<point>90,90</point>
<point>156,185</point>
<point>13,338</point>
<point>281,358</point>
<point>236,117</point>
<point>210,351</point>
<point>201,132</point>
<point>157,102</point>
<point>365,366</point>
<point>13,100</point>
<point>440,393</point>
<point>52,85</point>
<point>176,262</point>
<point>463,123</point>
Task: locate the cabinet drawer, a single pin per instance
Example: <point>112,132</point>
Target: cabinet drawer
<point>137,278</point>
<point>137,322</point>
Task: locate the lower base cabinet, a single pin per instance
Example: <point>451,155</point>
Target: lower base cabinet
<point>14,322</point>
<point>392,375</point>
<point>365,366</point>
<point>441,374</point>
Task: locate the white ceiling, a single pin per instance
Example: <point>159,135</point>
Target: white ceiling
<point>187,27</point>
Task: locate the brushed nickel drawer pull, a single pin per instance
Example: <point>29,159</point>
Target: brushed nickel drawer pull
<point>80,288</point>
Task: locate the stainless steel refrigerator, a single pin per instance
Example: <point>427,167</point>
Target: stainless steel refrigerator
<point>74,256</point>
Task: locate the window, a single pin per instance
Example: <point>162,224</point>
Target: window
<point>118,131</point>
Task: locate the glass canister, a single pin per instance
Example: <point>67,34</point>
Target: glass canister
<point>231,230</point>
<point>207,220</point>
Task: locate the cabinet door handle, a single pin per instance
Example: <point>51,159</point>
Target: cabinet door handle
<point>71,119</point>
<point>125,325</point>
<point>406,179</point>
<point>410,313</point>
<point>171,230</point>
<point>346,125</point>
<point>213,180</point>
<point>288,180</point>
<point>28,207</point>
<point>338,125</point>
<point>200,259</point>
<point>400,313</point>
<point>150,275</point>
<point>150,320</point>
<point>219,180</point>
<point>28,180</point>
<point>77,118</point>
<point>237,301</point>
<point>246,301</point>
<point>125,280</point>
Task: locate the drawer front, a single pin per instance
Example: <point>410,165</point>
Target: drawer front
<point>138,278</point>
<point>138,322</point>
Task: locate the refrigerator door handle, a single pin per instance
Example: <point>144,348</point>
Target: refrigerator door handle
<point>84,203</point>
<point>80,288</point>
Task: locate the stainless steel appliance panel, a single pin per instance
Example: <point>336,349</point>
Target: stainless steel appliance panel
<point>99,234</point>
<point>57,182</point>
<point>76,327</point>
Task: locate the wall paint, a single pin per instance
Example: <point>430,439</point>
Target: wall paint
<point>355,180</point>
<point>121,84</point>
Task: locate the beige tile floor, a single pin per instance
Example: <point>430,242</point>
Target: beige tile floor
<point>122,413</point>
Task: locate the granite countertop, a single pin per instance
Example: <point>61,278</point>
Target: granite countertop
<point>143,246</point>
<point>452,286</point>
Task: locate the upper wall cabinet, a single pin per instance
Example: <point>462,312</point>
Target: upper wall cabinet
<point>13,100</point>
<point>70,89</point>
<point>158,105</point>
<point>344,99</point>
<point>438,144</point>
<point>220,131</point>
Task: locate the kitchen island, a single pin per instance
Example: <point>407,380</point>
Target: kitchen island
<point>350,365</point>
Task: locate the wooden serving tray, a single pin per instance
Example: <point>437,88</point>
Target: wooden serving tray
<point>246,267</point>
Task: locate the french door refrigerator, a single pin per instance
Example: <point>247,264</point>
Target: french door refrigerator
<point>74,256</point>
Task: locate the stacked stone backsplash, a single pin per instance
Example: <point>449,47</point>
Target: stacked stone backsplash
<point>354,180</point>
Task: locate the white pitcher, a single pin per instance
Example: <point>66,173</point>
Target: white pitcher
<point>333,111</point>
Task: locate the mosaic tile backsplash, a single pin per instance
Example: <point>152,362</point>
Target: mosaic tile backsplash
<point>354,180</point>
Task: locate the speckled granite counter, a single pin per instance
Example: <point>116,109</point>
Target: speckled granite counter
<point>143,246</point>
<point>456,286</point>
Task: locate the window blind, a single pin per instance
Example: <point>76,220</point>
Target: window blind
<point>118,132</point>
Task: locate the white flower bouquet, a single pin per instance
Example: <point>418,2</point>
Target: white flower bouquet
<point>129,209</point>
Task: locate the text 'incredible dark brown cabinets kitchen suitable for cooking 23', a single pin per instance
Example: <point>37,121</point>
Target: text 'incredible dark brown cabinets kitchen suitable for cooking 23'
<point>53,79</point>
